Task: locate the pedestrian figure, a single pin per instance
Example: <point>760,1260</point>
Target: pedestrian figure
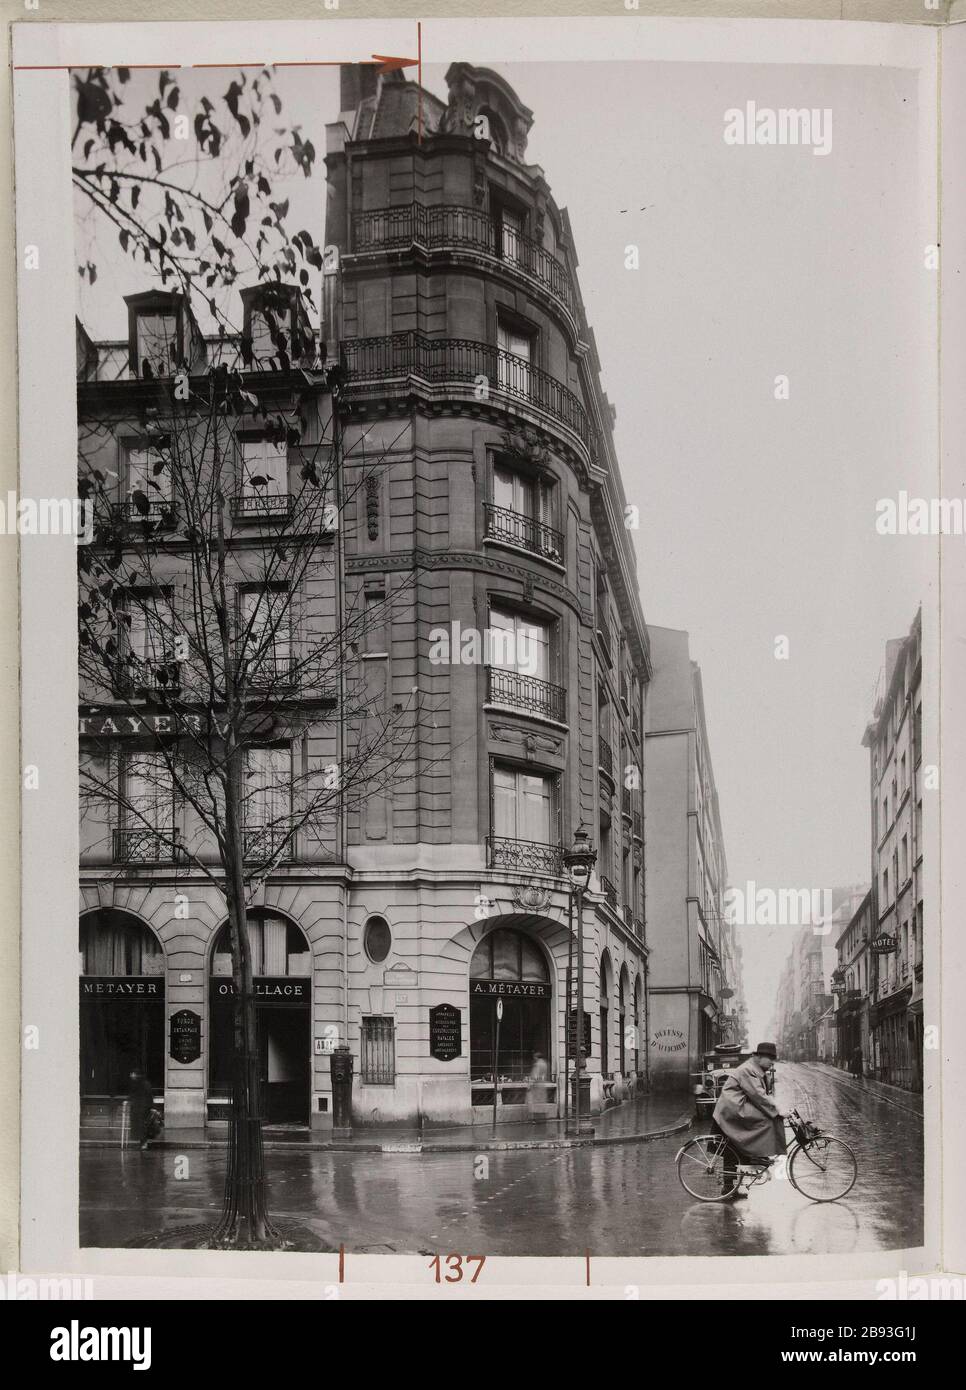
<point>539,1090</point>
<point>140,1101</point>
<point>855,1066</point>
<point>747,1115</point>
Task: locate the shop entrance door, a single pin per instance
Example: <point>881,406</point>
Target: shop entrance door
<point>284,1040</point>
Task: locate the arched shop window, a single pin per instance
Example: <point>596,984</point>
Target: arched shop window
<point>121,1003</point>
<point>508,965</point>
<point>638,1022</point>
<point>622,1019</point>
<point>282,979</point>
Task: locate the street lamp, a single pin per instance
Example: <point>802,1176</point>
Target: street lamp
<point>578,861</point>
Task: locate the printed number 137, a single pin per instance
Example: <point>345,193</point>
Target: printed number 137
<point>454,1263</point>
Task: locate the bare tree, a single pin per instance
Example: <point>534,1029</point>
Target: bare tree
<point>211,594</point>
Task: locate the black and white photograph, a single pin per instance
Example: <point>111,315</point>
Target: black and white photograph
<point>502,566</point>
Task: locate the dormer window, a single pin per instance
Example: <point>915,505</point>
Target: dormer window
<point>276,328</point>
<point>162,334</point>
<point>157,342</point>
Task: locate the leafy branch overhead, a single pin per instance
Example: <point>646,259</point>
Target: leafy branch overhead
<point>189,184</point>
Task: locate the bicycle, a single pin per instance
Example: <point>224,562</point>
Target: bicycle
<point>820,1166</point>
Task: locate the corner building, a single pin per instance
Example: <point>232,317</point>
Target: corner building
<point>497,503</point>
<point>491,503</point>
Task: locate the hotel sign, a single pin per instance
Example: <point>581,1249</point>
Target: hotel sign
<point>280,989</point>
<point>121,987</point>
<point>509,989</point>
<point>135,725</point>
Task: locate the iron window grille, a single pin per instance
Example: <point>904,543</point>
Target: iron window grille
<point>144,846</point>
<point>378,1051</point>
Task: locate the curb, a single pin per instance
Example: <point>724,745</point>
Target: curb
<point>417,1147</point>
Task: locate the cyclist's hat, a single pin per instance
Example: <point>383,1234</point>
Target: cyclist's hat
<point>767,1050</point>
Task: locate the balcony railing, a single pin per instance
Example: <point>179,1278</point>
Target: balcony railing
<point>637,824</point>
<point>638,926</point>
<point>160,514</point>
<point>609,891</point>
<point>162,677</point>
<point>433,228</point>
<point>516,528</point>
<point>525,856</point>
<point>626,802</point>
<point>401,356</point>
<point>603,637</point>
<point>605,758</point>
<point>145,846</point>
<point>526,693</point>
<point>265,842</point>
<point>254,506</point>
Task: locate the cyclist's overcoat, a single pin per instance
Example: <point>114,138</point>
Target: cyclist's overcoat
<point>747,1114</point>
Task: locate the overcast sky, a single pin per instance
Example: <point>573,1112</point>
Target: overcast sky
<point>757,515</point>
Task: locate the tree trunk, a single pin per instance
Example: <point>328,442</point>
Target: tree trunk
<point>245,1222</point>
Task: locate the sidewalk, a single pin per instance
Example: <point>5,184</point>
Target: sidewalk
<point>647,1117</point>
<point>896,1095</point>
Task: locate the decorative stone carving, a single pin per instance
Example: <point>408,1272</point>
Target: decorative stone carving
<point>532,897</point>
<point>532,743</point>
<point>372,508</point>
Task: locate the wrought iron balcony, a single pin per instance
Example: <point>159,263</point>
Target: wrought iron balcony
<point>638,926</point>
<point>436,228</point>
<point>267,841</point>
<point>609,891</point>
<point>160,514</point>
<point>403,356</point>
<point>526,693</point>
<point>525,856</point>
<point>516,528</point>
<point>157,677</point>
<point>145,846</point>
<point>605,757</point>
<point>259,506</point>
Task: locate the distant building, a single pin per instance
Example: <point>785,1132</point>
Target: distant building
<point>894,740</point>
<point>851,985</point>
<point>805,991</point>
<point>694,1001</point>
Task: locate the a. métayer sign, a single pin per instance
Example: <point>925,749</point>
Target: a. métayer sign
<point>121,987</point>
<point>509,989</point>
<point>135,725</point>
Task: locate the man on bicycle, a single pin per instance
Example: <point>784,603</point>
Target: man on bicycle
<point>747,1115</point>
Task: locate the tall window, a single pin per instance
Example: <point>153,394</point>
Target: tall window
<point>264,474</point>
<point>265,624</point>
<point>514,358</point>
<point>621,1019</point>
<point>524,805</point>
<point>145,473</point>
<point>520,644</point>
<point>268,799</point>
<point>149,638</point>
<point>148,809</point>
<point>157,341</point>
<point>527,497</point>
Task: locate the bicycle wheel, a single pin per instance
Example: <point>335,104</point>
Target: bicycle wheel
<point>701,1169</point>
<point>824,1169</point>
